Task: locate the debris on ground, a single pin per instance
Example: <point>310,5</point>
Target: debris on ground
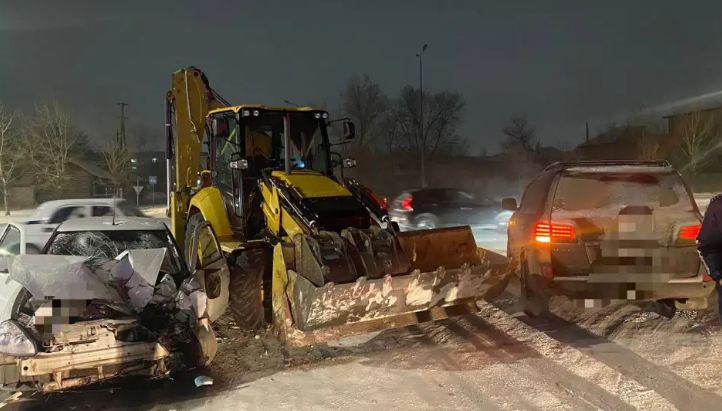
<point>203,380</point>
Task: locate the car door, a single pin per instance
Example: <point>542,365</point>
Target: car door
<point>476,213</point>
<point>12,243</point>
<point>207,262</point>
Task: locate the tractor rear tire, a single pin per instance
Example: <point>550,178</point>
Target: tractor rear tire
<point>245,285</point>
<point>245,289</point>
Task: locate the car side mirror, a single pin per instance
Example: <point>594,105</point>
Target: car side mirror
<point>348,163</point>
<point>509,204</point>
<point>349,130</point>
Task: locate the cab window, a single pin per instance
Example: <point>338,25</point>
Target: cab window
<point>225,145</point>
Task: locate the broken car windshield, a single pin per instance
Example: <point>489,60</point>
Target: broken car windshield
<point>109,244</point>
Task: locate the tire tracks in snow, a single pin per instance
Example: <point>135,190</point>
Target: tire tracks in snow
<point>580,363</point>
<point>586,393</point>
<point>680,392</point>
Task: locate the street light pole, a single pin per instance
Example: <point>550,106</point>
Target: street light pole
<point>422,141</point>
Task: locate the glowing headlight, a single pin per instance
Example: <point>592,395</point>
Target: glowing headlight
<point>317,115</point>
<point>15,341</point>
<point>246,113</point>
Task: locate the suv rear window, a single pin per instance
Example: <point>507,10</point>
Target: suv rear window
<point>612,191</point>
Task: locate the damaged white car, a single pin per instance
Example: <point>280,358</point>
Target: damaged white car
<point>108,298</point>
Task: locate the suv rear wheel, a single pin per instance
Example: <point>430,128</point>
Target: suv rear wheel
<point>534,302</point>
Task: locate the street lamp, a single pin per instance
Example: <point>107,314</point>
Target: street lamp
<point>420,55</point>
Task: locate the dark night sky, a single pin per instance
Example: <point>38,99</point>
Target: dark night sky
<point>561,62</point>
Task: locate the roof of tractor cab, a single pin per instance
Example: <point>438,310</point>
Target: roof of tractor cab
<point>110,224</point>
<point>264,107</point>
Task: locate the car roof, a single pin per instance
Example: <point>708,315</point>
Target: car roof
<point>50,206</point>
<point>110,224</point>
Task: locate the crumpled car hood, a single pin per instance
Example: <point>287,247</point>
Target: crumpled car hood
<point>130,278</point>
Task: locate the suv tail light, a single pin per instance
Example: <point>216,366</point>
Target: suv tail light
<point>406,203</point>
<point>689,232</point>
<point>549,232</point>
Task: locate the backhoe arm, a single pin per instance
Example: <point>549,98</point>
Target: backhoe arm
<point>188,101</point>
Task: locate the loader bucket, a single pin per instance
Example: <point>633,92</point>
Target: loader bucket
<point>305,313</point>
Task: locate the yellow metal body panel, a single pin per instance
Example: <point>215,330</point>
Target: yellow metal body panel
<point>312,184</point>
<point>210,204</point>
<point>277,217</point>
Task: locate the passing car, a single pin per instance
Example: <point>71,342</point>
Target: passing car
<point>428,208</point>
<point>40,225</point>
<point>604,231</point>
<point>109,297</point>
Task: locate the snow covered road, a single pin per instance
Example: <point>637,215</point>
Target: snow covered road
<point>623,357</point>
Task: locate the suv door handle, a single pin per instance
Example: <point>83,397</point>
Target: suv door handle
<point>466,208</point>
<point>47,230</point>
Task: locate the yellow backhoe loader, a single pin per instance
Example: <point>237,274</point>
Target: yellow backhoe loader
<point>314,254</point>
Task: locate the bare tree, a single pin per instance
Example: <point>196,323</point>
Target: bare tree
<point>647,146</point>
<point>520,135</point>
<point>442,118</point>
<point>11,153</point>
<point>54,141</point>
<point>363,101</point>
<point>696,130</point>
<point>117,160</point>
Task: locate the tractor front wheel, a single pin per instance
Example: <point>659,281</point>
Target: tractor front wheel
<point>246,290</point>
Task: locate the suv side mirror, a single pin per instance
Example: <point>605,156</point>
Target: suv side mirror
<point>509,204</point>
<point>349,130</point>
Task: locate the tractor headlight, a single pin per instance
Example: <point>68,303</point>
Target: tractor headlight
<point>16,341</point>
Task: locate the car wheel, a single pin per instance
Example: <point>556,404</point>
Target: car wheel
<point>534,302</point>
<point>426,222</point>
<point>666,308</point>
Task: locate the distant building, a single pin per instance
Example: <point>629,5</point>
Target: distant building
<point>617,143</point>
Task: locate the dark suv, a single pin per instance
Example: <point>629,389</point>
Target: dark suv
<point>437,207</point>
<point>606,231</point>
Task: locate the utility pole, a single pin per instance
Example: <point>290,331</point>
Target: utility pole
<point>121,141</point>
<point>422,140</point>
<point>587,124</point>
<point>121,130</point>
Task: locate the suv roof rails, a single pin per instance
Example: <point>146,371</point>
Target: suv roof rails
<point>560,165</point>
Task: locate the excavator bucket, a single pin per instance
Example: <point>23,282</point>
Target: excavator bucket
<point>332,286</point>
